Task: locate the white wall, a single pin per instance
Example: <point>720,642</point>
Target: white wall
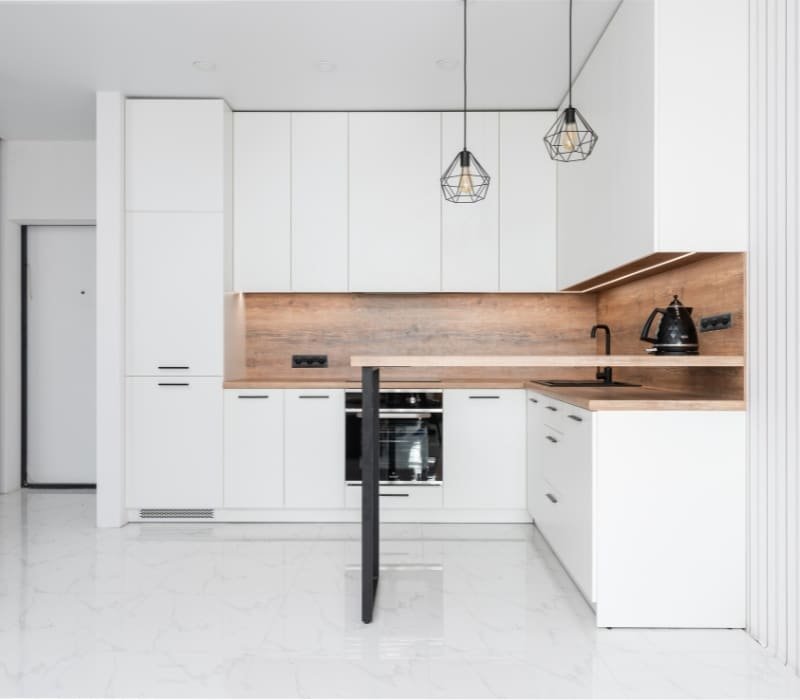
<point>40,182</point>
<point>774,329</point>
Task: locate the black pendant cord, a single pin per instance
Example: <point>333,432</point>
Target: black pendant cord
<point>570,53</point>
<point>465,74</point>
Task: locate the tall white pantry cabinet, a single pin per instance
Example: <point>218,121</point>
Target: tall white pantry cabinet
<point>178,268</point>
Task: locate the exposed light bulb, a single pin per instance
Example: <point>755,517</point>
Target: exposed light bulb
<point>465,184</point>
<point>570,138</point>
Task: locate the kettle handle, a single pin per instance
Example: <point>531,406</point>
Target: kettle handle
<point>648,323</point>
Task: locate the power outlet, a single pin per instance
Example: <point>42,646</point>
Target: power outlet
<point>716,323</point>
<point>309,361</point>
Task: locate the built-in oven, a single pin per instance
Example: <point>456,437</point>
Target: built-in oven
<point>410,430</point>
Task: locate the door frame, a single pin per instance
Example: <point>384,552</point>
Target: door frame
<point>24,483</point>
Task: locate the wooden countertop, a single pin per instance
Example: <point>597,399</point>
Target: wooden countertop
<point>643,360</point>
<point>590,398</point>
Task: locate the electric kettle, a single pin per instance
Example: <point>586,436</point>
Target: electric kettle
<point>676,332</point>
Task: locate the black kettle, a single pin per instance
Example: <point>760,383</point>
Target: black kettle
<point>676,332</point>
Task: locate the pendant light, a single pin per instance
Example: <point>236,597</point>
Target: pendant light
<point>571,137</point>
<point>465,180</point>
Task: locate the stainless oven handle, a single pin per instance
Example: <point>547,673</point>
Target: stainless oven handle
<point>399,416</point>
<point>398,413</point>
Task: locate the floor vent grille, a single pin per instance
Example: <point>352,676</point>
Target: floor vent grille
<point>177,513</point>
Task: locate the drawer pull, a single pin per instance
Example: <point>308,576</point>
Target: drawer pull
<point>534,400</point>
<point>484,397</point>
<point>577,418</point>
<point>253,396</point>
<point>394,495</point>
<point>173,384</point>
<point>552,408</point>
<point>173,367</point>
<point>550,438</point>
<point>314,396</point>
<point>551,498</point>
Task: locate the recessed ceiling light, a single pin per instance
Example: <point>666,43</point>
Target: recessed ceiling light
<point>326,66</point>
<point>204,65</point>
<point>447,64</point>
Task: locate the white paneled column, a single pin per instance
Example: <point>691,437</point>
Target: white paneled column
<point>774,339</point>
<point>110,309</point>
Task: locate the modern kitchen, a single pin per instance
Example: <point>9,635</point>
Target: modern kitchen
<point>377,394</point>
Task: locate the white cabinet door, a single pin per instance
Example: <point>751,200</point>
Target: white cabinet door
<point>395,202</point>
<point>533,434</point>
<point>319,202</point>
<point>314,463</point>
<point>527,190</point>
<point>174,442</point>
<point>484,448</point>
<point>469,231</point>
<point>175,155</point>
<point>174,294</point>
<point>261,201</point>
<point>253,448</point>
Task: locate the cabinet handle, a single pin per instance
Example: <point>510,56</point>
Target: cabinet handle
<point>534,400</point>
<point>315,396</point>
<point>552,408</point>
<point>484,397</point>
<point>550,438</point>
<point>253,396</point>
<point>577,418</point>
<point>551,498</point>
<point>173,367</point>
<point>173,384</point>
<point>394,495</point>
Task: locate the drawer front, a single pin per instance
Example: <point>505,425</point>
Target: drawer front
<point>398,496</point>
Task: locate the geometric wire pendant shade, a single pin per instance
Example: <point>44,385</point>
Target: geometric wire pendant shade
<point>570,137</point>
<point>465,180</point>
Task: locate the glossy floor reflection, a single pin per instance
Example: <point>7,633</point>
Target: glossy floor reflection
<point>273,610</point>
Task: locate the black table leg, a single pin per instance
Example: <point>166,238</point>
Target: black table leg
<point>370,479</point>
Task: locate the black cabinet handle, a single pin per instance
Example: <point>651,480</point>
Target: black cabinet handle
<point>253,396</point>
<point>552,408</point>
<point>173,384</point>
<point>484,397</point>
<point>577,418</point>
<point>551,498</point>
<point>550,438</point>
<point>314,396</point>
<point>534,400</point>
<point>394,495</point>
<point>173,367</point>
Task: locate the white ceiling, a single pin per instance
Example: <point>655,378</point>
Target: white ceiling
<point>55,55</point>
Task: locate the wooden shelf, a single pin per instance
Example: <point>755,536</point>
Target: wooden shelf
<point>547,361</point>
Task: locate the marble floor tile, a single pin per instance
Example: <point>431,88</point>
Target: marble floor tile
<point>273,610</point>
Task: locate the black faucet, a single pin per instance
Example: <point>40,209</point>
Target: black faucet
<point>605,372</point>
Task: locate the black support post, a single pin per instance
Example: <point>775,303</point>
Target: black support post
<point>370,480</point>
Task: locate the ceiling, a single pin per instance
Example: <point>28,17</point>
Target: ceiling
<point>379,54</point>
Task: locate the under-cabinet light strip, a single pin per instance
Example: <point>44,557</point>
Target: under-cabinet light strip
<point>635,273</point>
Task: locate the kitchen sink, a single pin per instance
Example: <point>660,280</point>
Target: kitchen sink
<point>580,383</point>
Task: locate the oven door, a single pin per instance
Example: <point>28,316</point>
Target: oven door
<point>410,447</point>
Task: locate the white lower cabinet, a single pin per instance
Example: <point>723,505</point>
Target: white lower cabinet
<point>174,442</point>
<point>314,463</point>
<point>254,448</point>
<point>484,448</point>
<point>645,510</point>
<point>398,496</point>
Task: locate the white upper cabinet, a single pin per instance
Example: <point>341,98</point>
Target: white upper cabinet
<point>469,230</point>
<point>527,192</point>
<point>395,202</point>
<point>175,155</point>
<point>669,171</point>
<point>262,201</point>
<point>319,202</point>
<point>174,278</point>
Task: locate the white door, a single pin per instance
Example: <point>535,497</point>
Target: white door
<point>60,301</point>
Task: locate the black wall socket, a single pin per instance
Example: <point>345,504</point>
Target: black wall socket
<point>309,361</point>
<point>716,323</point>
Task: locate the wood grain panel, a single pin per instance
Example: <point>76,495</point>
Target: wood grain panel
<point>710,286</point>
<point>343,325</point>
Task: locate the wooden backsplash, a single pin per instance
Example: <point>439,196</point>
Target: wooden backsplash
<point>341,325</point>
<point>710,286</point>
